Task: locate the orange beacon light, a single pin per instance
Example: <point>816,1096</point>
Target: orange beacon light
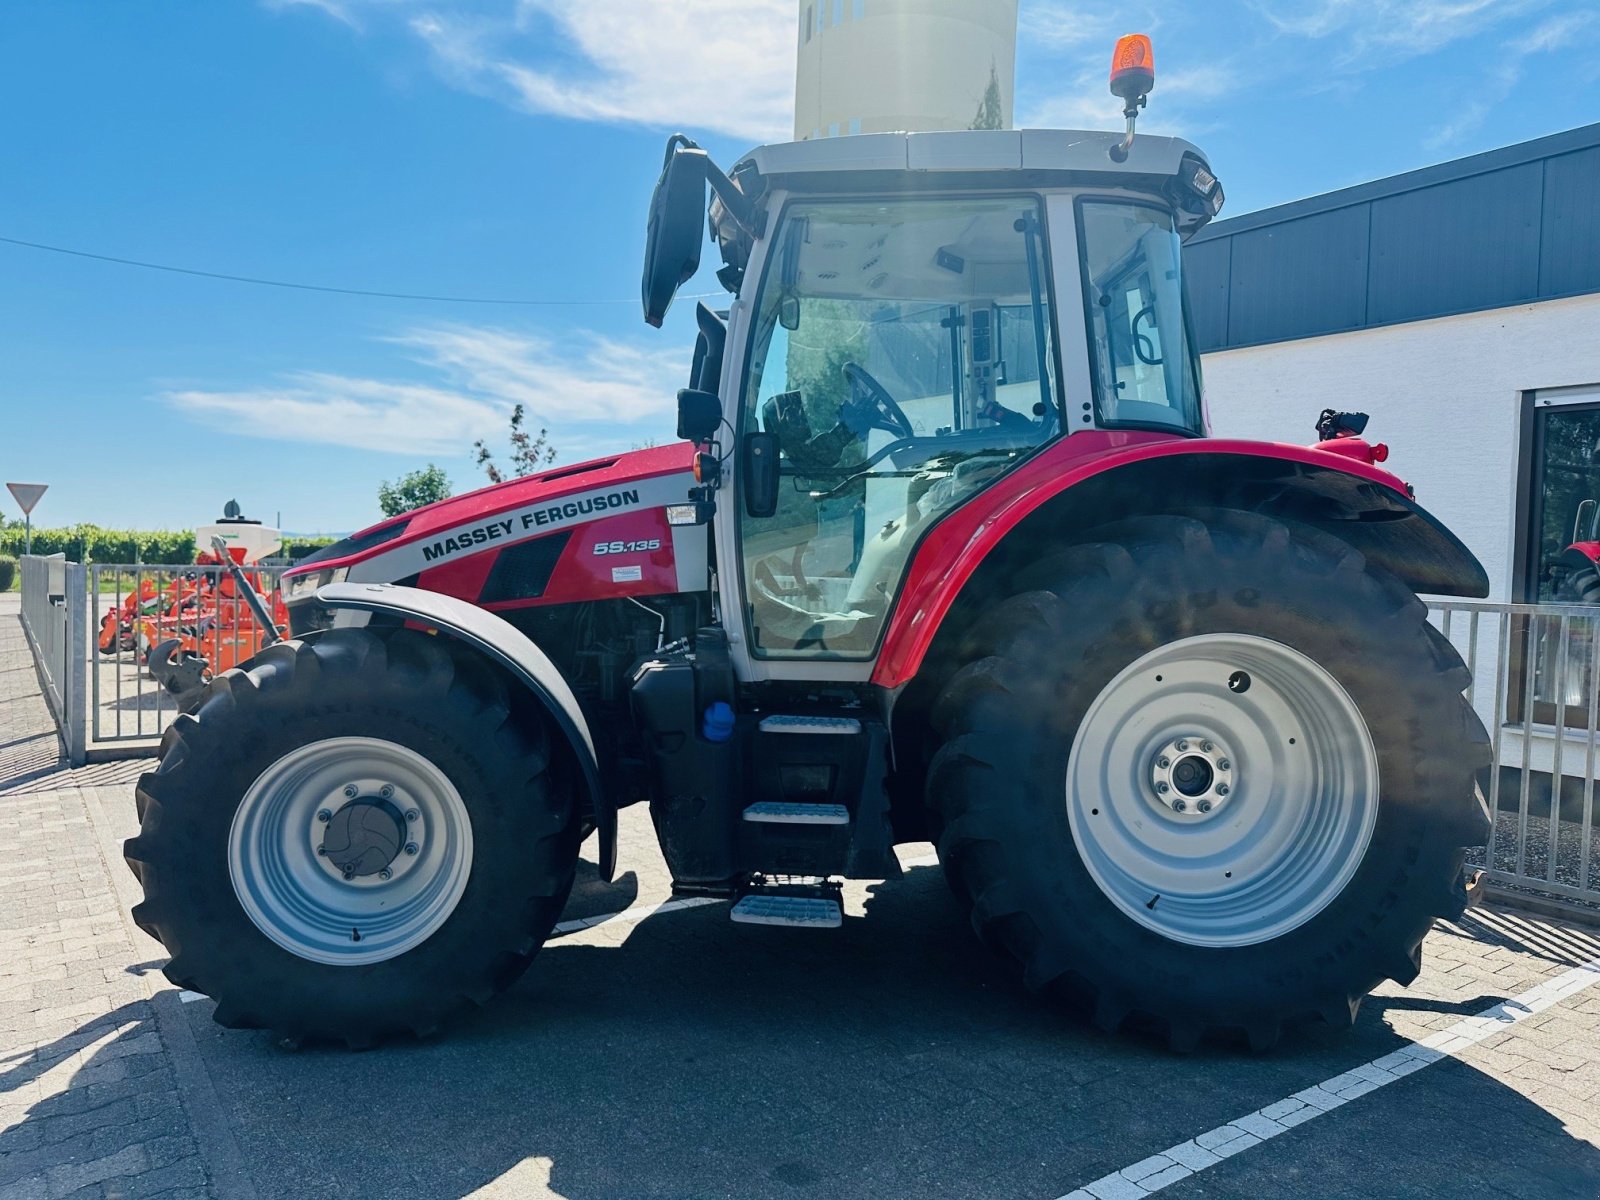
<point>1133,67</point>
<point>1133,74</point>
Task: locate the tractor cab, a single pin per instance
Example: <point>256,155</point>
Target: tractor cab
<point>914,316</point>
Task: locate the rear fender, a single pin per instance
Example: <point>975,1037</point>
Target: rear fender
<point>504,644</point>
<point>968,560</point>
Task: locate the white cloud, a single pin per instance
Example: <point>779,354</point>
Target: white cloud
<point>1555,34</point>
<point>338,11</point>
<point>721,65</point>
<point>1372,33</point>
<point>576,386</point>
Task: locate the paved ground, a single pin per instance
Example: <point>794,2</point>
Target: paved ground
<point>680,1056</point>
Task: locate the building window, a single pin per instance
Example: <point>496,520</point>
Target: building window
<point>833,129</point>
<point>822,15</point>
<point>1562,499</point>
<point>1553,658</point>
<point>838,12</point>
<point>855,126</point>
<point>860,8</point>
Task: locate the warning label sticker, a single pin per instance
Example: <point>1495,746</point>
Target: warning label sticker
<point>627,574</point>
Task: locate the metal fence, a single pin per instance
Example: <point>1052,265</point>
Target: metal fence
<point>52,607</point>
<point>1536,686</point>
<point>178,612</point>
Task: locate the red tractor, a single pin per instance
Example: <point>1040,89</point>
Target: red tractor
<point>945,554</point>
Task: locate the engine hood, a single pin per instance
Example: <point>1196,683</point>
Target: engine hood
<point>512,511</point>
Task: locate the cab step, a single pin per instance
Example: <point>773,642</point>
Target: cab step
<point>804,912</point>
<point>785,723</point>
<point>784,812</point>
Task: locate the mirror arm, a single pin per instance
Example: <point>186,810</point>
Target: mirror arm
<point>739,206</point>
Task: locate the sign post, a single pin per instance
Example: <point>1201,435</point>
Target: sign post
<point>27,495</point>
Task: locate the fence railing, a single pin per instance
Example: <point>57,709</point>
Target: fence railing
<point>52,607</point>
<point>1535,668</point>
<point>145,614</point>
<point>1536,687</point>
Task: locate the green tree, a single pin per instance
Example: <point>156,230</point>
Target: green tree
<point>989,114</point>
<point>529,451</point>
<point>413,490</point>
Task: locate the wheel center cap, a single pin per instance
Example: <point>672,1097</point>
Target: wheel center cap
<point>364,836</point>
<point>1192,776</point>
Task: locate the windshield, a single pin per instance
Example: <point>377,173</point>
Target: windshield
<point>1146,372</point>
<point>903,356</point>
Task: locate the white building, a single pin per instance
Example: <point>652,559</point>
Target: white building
<point>881,66</point>
<point>1459,305</point>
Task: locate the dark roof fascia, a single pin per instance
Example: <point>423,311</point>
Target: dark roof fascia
<point>1551,146</point>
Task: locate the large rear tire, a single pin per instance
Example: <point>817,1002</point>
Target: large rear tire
<point>1214,773</point>
<point>354,837</point>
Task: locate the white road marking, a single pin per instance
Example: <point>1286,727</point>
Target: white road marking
<point>1150,1175</point>
<point>629,916</point>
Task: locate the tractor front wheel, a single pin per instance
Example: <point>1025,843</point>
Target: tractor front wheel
<point>1218,773</point>
<point>354,836</point>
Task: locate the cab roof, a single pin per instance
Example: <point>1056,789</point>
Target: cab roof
<point>1030,150</point>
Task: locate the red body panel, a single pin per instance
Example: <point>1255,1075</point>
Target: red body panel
<point>1590,550</point>
<point>953,549</point>
<point>627,549</point>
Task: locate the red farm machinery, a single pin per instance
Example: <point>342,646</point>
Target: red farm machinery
<point>946,553</point>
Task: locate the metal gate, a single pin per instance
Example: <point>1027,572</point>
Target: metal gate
<point>1536,686</point>
<point>134,609</point>
<point>52,607</point>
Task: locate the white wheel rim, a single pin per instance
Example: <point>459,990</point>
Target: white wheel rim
<point>406,828</point>
<point>1292,759</point>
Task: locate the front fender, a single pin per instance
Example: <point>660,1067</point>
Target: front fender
<point>1093,479</point>
<point>508,646</point>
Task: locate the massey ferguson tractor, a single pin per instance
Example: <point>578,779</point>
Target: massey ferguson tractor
<point>945,553</point>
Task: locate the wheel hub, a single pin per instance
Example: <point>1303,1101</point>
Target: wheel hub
<point>1192,776</point>
<point>1222,789</point>
<point>364,837</point>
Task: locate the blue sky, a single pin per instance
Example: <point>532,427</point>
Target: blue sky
<point>506,148</point>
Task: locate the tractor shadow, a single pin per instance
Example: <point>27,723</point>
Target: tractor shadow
<point>684,1056</point>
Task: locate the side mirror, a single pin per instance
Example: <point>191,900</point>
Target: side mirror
<point>677,226</point>
<point>759,470</point>
<point>699,414</point>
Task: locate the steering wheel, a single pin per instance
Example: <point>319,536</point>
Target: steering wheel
<point>1143,345</point>
<point>887,415</point>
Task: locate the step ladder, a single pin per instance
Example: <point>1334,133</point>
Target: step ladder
<point>800,906</point>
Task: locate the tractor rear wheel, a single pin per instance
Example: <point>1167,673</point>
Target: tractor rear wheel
<point>1214,773</point>
<point>354,836</point>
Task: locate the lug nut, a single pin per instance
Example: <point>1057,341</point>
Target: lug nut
<point>349,874</point>
<point>321,850</point>
<point>1206,747</point>
<point>1224,765</point>
<point>1183,745</point>
<point>1162,788</point>
<point>1222,789</point>
<point>324,816</point>
<point>411,847</point>
<point>351,790</point>
<point>1163,762</point>
<point>412,815</point>
<point>1179,806</point>
<point>386,874</point>
<point>386,791</point>
<point>1204,806</point>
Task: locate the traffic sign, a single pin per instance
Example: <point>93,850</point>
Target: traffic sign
<point>27,494</point>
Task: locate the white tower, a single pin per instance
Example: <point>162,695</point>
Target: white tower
<point>882,66</point>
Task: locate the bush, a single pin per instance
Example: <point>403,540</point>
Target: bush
<point>91,543</point>
<point>8,572</point>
